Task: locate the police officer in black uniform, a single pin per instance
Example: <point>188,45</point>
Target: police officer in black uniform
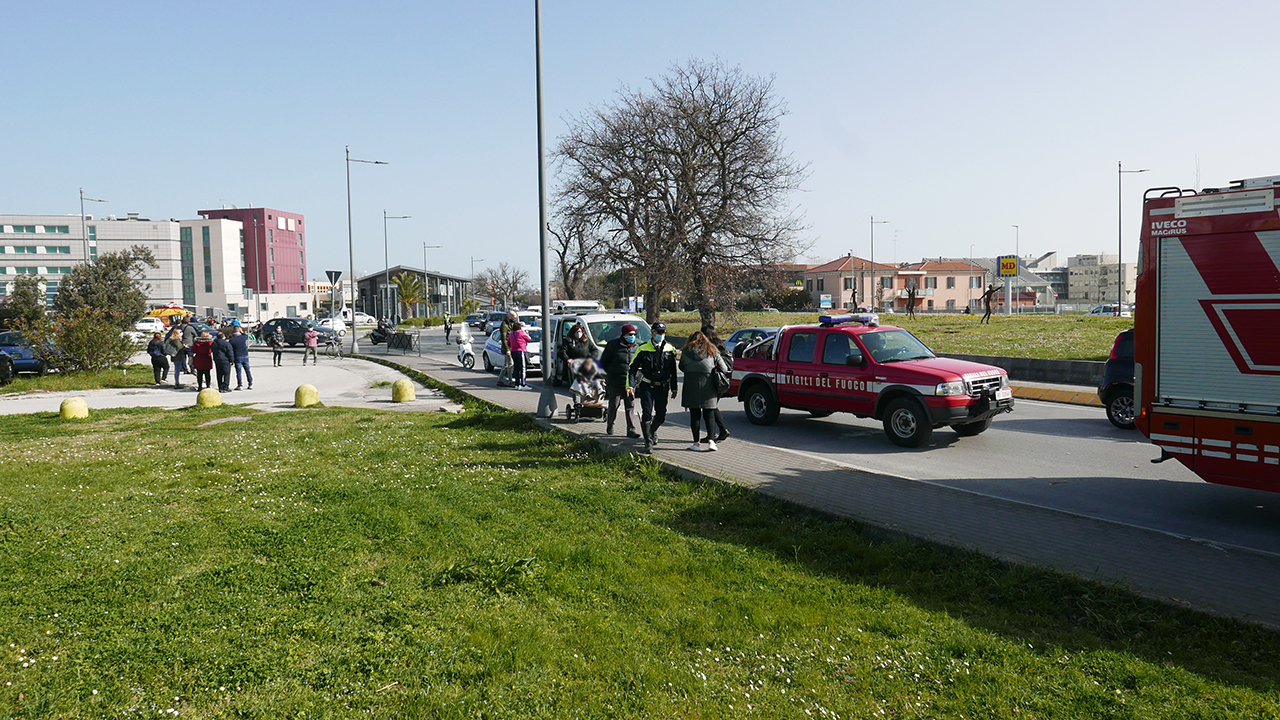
<point>654,372</point>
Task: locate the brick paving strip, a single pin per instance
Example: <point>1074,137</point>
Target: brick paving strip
<point>1220,579</point>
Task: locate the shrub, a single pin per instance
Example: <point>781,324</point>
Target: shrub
<point>82,339</point>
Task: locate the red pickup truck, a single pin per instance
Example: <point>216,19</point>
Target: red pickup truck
<point>848,363</point>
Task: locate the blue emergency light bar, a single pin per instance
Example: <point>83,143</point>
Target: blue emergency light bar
<point>864,318</point>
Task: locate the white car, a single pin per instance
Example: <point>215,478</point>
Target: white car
<point>335,324</point>
<point>149,325</point>
<point>1110,311</point>
<point>494,359</point>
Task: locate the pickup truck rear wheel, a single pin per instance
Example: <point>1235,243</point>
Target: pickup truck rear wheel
<point>973,428</point>
<point>761,408</point>
<point>906,424</point>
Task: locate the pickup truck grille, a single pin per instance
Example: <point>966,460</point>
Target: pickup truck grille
<point>988,384</point>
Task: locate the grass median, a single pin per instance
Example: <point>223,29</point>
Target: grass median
<point>130,376</point>
<point>336,562</point>
<point>1046,337</point>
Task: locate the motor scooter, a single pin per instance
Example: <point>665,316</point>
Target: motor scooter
<point>466,355</point>
<point>381,333</point>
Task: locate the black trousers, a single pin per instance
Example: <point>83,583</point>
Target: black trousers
<point>653,405</point>
<point>612,412</point>
<point>160,367</point>
<point>224,375</point>
<point>202,379</point>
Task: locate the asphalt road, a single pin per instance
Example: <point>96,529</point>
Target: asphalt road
<point>1064,457</point>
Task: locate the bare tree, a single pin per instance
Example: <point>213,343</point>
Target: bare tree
<point>691,177</point>
<point>581,250</point>
<point>505,281</point>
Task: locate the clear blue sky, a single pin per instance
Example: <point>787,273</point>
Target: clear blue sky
<point>953,121</point>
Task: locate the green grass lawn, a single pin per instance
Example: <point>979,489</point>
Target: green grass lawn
<point>1049,337</point>
<point>339,562</point>
<point>129,376</point>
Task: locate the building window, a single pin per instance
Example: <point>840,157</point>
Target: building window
<point>808,285</point>
<point>271,235</point>
<point>24,228</point>
<point>61,229</point>
<point>848,283</point>
<point>208,261</point>
<point>187,255</point>
<point>821,282</point>
<point>302,306</point>
<point>951,283</point>
<point>951,304</point>
<point>930,304</point>
<point>273,274</point>
<point>975,281</point>
<point>931,283</point>
<point>886,282</point>
<point>271,254</point>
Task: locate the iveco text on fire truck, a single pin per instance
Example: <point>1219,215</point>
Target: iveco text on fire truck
<point>1207,330</point>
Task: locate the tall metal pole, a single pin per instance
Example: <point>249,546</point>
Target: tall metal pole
<point>351,246</point>
<point>84,224</point>
<point>853,284</point>
<point>425,282</point>
<point>875,291</point>
<point>547,401</point>
<point>969,302</point>
<point>1017,262</point>
<point>386,260</point>
<point>1120,172</point>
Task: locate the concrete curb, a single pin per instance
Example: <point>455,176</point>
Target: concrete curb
<point>1058,395</point>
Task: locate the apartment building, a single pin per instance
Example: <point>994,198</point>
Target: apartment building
<point>275,250</point>
<point>1096,279</point>
<point>940,285</point>
<point>848,281</point>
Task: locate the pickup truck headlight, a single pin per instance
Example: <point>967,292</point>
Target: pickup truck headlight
<point>949,388</point>
<point>1004,380</point>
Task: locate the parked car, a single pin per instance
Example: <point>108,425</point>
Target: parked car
<point>495,320</point>
<point>335,324</point>
<point>7,371</point>
<point>21,353</point>
<point>1110,311</point>
<point>149,325</point>
<point>748,336</point>
<point>476,320</point>
<point>1116,389</point>
<point>494,359</point>
<point>294,328</point>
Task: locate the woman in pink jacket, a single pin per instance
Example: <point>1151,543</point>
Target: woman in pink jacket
<point>518,341</point>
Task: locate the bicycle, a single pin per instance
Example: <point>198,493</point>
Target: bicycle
<point>333,347</point>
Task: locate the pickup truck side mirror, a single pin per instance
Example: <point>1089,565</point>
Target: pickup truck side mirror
<point>855,360</point>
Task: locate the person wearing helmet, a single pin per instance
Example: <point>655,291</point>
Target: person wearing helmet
<point>653,373</point>
<point>616,361</point>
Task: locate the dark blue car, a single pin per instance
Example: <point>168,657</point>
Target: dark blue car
<point>1116,389</point>
<point>21,352</point>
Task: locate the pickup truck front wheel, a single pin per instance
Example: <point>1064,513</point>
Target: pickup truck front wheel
<point>906,424</point>
<point>761,408</point>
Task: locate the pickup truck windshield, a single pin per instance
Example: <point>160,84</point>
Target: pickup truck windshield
<point>888,346</point>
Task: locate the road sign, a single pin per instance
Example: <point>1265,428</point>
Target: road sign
<point>333,276</point>
<point>1008,266</point>
<point>824,301</point>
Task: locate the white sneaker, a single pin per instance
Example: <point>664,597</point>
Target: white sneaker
<point>711,445</point>
<point>695,447</point>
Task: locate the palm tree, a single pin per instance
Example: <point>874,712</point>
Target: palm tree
<point>409,289</point>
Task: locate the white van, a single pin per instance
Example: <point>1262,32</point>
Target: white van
<point>576,307</point>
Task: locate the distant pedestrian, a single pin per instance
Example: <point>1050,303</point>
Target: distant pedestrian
<point>448,327</point>
<point>159,358</point>
<point>276,340</point>
<point>189,332</point>
<point>653,371</point>
<point>504,332</point>
<point>240,358</point>
<point>202,359</point>
<point>519,342</point>
<point>616,361</point>
<point>727,360</point>
<point>310,340</point>
<point>699,361</point>
<point>223,357</point>
<point>177,353</point>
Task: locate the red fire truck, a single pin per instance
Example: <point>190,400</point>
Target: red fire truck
<point>1207,330</point>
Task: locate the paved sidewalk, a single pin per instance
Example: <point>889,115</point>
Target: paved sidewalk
<point>1225,580</point>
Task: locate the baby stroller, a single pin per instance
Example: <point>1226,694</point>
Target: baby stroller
<point>588,390</point>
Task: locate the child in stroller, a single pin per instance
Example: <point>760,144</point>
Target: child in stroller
<point>588,390</point>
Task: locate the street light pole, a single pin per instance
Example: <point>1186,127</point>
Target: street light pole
<point>853,284</point>
<point>1017,263</point>
<point>547,402</point>
<point>875,292</point>
<point>386,260</point>
<point>424,272</point>
<point>969,305</point>
<point>84,224</point>
<point>351,248</point>
<point>1120,173</point>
